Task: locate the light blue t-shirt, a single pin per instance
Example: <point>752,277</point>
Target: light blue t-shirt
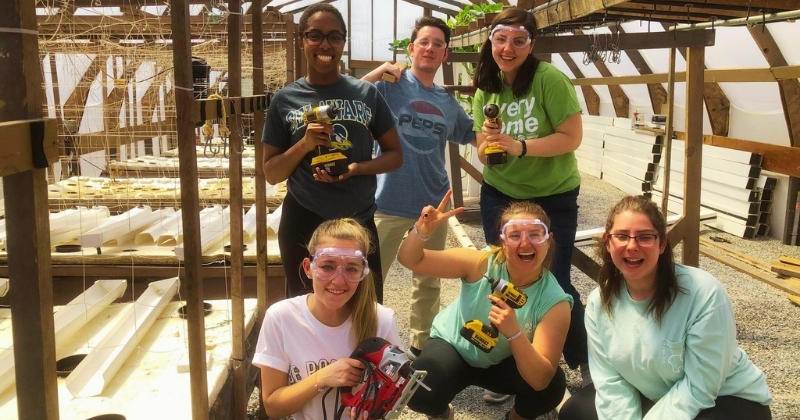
<point>426,119</point>
<point>472,303</point>
<point>684,364</point>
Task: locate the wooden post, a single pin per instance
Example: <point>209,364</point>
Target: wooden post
<point>28,223</point>
<point>667,162</point>
<point>261,180</point>
<point>190,203</point>
<point>240,369</point>
<point>693,154</point>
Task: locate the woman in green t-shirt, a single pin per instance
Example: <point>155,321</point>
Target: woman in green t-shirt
<point>539,127</point>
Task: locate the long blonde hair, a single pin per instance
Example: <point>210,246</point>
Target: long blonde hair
<point>364,302</point>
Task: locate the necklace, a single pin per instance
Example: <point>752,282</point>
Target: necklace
<point>525,286</point>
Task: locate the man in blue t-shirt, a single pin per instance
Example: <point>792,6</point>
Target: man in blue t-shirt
<point>427,117</point>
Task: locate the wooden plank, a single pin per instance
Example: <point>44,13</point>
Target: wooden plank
<point>733,226</point>
<point>780,159</point>
<point>710,161</point>
<point>709,174</point>
<point>184,104</point>
<point>788,270</point>
<point>762,75</point>
<point>789,260</point>
<point>753,272</point>
<point>735,254</point>
<point>590,96</point>
<point>625,182</point>
<point>627,133</point>
<point>789,88</point>
<point>638,150</point>
<point>592,142</point>
<point>28,223</point>
<point>714,152</point>
<point>626,168</point>
<point>644,165</point>
<point>585,263</point>
<point>17,151</point>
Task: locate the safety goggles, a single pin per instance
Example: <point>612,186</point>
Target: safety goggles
<point>329,262</point>
<point>534,229</point>
<point>500,40</point>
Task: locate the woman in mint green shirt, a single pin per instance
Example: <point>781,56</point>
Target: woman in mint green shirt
<point>662,336</point>
<point>525,356</point>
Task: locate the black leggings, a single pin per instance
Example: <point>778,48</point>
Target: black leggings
<point>581,407</point>
<point>296,227</point>
<point>449,374</point>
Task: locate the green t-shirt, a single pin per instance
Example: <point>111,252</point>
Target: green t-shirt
<point>550,100</point>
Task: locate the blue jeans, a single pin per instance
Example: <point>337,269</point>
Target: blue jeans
<point>563,212</point>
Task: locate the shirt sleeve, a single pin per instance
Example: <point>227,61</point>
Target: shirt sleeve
<point>275,133</point>
<point>616,398</point>
<point>708,351</point>
<point>477,110</point>
<point>463,132</point>
<point>270,350</point>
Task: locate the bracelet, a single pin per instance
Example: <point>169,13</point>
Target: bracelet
<point>515,336</point>
<point>524,148</point>
<point>317,387</point>
<point>421,238</point>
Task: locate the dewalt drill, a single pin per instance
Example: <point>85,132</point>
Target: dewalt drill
<point>334,163</point>
<point>494,154</point>
<point>485,336</point>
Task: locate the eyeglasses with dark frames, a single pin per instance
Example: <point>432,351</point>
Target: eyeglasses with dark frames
<point>644,240</point>
<point>316,38</point>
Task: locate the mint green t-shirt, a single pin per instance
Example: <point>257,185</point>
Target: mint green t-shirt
<point>472,303</point>
<point>550,100</point>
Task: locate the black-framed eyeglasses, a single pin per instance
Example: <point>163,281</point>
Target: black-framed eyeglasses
<point>644,240</point>
<point>316,38</point>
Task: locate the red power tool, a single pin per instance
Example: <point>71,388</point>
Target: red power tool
<point>388,382</point>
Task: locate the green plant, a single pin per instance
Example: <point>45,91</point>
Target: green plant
<point>399,45</point>
<point>490,8</point>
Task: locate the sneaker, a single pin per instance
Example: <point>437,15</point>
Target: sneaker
<point>586,377</point>
<point>566,397</point>
<point>494,397</point>
<point>447,415</point>
<point>412,353</point>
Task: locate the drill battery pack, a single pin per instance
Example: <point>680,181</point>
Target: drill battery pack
<point>483,336</point>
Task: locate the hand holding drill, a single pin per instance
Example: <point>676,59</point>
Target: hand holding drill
<point>506,298</point>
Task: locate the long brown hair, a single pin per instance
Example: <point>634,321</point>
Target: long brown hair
<point>610,278</point>
<point>527,207</point>
<point>363,304</point>
<point>487,73</point>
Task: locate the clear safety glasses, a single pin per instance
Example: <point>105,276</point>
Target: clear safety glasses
<point>533,229</point>
<point>327,263</point>
<point>518,36</point>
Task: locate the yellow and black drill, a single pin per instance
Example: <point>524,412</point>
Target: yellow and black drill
<point>494,154</point>
<point>334,163</point>
<point>485,336</point>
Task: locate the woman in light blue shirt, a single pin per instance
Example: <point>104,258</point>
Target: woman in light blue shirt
<point>662,336</point>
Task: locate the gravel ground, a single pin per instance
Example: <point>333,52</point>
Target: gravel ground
<point>766,319</point>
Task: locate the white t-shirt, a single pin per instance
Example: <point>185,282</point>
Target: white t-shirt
<point>292,340</point>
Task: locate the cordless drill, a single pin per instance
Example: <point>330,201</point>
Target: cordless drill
<point>494,154</point>
<point>334,163</point>
<point>485,336</point>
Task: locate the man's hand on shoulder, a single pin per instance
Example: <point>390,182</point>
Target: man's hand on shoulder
<point>387,71</point>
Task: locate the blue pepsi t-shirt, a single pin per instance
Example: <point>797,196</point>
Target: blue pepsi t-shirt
<point>426,119</point>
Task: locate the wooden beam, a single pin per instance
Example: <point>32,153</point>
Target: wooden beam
<point>789,88</point>
<point>27,223</point>
<point>753,272</point>
<point>571,10</point>
<point>693,156</point>
<point>580,43</point>
<point>658,95</point>
<point>589,94</point>
<point>17,154</point>
<point>261,181</point>
<point>780,159</point>
<point>717,103</point>
<point>716,76</point>
<point>190,203</point>
<point>585,263</point>
<point>425,5</point>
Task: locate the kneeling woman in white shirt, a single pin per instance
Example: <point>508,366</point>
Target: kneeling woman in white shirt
<point>305,342</point>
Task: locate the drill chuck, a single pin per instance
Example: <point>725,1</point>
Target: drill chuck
<point>321,114</point>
